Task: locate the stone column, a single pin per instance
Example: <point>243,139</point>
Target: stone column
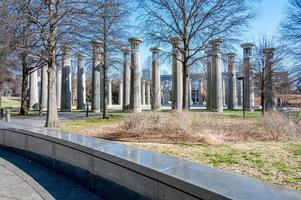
<point>97,77</point>
<point>81,82</point>
<point>177,76</point>
<point>189,93</point>
<point>224,90</point>
<point>232,93</point>
<point>58,85</point>
<point>109,92</point>
<point>135,64</point>
<point>143,92</point>
<point>148,95</point>
<point>269,86</point>
<point>216,78</point>
<point>247,73</point>
<point>201,91</point>
<point>44,87</point>
<point>156,87</point>
<point>126,78</point>
<point>166,96</point>
<point>33,90</point>
<point>209,77</point>
<point>66,94</point>
<point>120,95</point>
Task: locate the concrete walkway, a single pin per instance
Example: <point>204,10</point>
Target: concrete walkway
<point>22,179</point>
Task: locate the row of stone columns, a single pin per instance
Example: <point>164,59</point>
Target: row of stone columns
<point>136,92</point>
<point>63,84</point>
<point>133,92</point>
<point>216,86</point>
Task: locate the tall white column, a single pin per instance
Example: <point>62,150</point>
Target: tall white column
<point>156,86</point>
<point>97,79</point>
<point>120,94</point>
<point>224,90</point>
<point>44,87</point>
<point>143,92</point>
<point>148,96</point>
<point>216,81</point>
<point>247,73</point>
<point>58,85</point>
<point>269,82</point>
<point>189,93</point>
<point>66,94</point>
<point>135,61</point>
<point>201,88</point>
<point>33,90</point>
<point>209,79</point>
<point>232,93</point>
<point>126,78</point>
<point>177,76</point>
<point>81,82</point>
<point>109,92</point>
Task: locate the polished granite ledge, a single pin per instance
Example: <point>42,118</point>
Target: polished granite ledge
<point>177,177</point>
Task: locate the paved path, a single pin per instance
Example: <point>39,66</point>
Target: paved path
<point>22,179</point>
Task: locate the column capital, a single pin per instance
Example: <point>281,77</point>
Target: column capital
<point>269,50</point>
<point>247,45</point>
<point>80,55</point>
<point>66,47</point>
<point>216,44</point>
<point>126,50</point>
<point>269,54</point>
<point>155,50</point>
<point>134,40</point>
<point>231,54</point>
<point>216,41</point>
<point>231,57</point>
<point>247,53</point>
<point>96,43</point>
<point>175,41</point>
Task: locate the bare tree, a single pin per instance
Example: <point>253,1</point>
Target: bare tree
<point>50,19</point>
<point>105,20</point>
<point>291,33</point>
<point>7,61</point>
<point>265,67</point>
<point>195,22</point>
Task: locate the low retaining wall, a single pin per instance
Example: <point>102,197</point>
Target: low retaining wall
<point>116,171</point>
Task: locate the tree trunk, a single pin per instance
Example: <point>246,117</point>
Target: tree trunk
<point>52,115</point>
<point>185,86</point>
<point>52,119</point>
<point>25,94</point>
<point>105,92</point>
<point>262,94</point>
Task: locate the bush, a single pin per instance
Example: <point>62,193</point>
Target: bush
<point>278,126</point>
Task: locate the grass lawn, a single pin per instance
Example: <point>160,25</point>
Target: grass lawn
<point>82,124</point>
<point>275,162</point>
<point>11,102</point>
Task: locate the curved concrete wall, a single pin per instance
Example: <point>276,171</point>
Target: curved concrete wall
<point>117,171</point>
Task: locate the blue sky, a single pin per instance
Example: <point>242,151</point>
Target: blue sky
<point>271,12</point>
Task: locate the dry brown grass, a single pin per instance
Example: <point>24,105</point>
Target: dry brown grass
<point>279,126</point>
<point>198,127</point>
